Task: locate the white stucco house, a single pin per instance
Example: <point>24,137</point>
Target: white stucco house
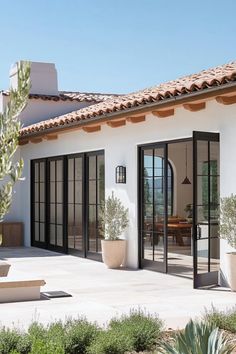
<point>168,152</point>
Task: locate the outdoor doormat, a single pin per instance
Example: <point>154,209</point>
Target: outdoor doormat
<point>55,294</point>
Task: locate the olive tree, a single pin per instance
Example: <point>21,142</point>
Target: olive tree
<point>11,170</point>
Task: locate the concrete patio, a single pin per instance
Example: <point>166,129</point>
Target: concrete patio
<point>99,293</point>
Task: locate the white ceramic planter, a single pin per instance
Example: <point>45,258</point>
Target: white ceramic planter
<point>113,253</point>
<point>231,269</point>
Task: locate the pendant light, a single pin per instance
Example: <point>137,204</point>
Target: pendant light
<point>186,180</point>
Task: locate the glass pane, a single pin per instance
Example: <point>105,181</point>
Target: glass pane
<point>148,159</point>
<point>36,231</point>
<point>78,168</point>
<point>202,157</point>
<point>52,214</point>
<point>202,214</point>
<point>42,212</point>
<point>52,235</point>
<point>158,241</point>
<point>59,235</point>
<point>36,211</point>
<point>70,192</point>
<point>215,157</point>
<point>100,167</point>
<point>42,192</point>
<point>59,214</point>
<point>42,171</point>
<point>92,167</point>
<point>71,169</point>
<point>52,170</point>
<point>214,190</point>
<point>36,172</point>
<point>70,214</point>
<point>52,192</point>
<point>92,216</point>
<point>92,192</point>
<point>59,192</point>
<point>202,185</point>
<point>59,170</point>
<point>42,232</point>
<point>71,240</point>
<point>148,213</point>
<point>78,227</point>
<point>147,190</point>
<point>202,255</point>
<point>78,191</point>
<point>36,192</point>
<point>147,246</point>
<point>100,191</point>
<point>92,239</point>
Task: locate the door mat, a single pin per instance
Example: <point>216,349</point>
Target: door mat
<point>55,294</point>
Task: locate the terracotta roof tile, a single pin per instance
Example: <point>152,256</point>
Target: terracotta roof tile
<point>204,80</point>
<point>71,96</point>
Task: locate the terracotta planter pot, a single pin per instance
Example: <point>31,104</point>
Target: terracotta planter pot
<point>231,269</point>
<point>4,268</point>
<point>113,253</point>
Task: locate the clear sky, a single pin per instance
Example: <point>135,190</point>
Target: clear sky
<point>117,45</point>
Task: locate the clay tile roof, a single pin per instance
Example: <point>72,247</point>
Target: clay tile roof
<point>218,76</point>
<point>70,96</point>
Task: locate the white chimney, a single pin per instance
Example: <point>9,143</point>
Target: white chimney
<point>43,77</point>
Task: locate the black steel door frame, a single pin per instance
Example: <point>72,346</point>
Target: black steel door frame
<point>152,265</point>
<point>85,195</point>
<point>211,277</point>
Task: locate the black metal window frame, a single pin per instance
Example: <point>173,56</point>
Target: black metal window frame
<point>85,195</point>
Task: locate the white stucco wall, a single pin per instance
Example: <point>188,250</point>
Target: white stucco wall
<point>120,147</point>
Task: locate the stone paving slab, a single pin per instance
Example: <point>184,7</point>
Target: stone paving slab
<point>100,293</point>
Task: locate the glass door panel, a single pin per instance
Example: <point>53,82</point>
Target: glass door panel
<point>56,204</point>
<point>95,182</point>
<point>38,172</point>
<point>153,207</point>
<point>206,206</point>
<point>75,229</point>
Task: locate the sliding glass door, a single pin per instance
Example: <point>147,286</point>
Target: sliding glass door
<point>38,209</point>
<point>56,204</point>
<point>76,227</point>
<point>67,192</point>
<point>95,196</point>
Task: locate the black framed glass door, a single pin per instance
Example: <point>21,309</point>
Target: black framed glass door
<point>66,194</point>
<point>56,203</point>
<point>76,228</point>
<point>38,205</point>
<point>153,206</point>
<point>95,182</point>
<point>205,208</point>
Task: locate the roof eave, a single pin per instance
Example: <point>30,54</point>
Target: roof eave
<point>145,108</point>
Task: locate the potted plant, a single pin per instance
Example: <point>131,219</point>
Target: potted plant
<point>189,210</point>
<point>114,220</point>
<point>228,233</point>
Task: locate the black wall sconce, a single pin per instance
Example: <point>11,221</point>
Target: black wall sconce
<point>120,174</point>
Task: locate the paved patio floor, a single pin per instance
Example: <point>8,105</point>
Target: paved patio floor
<point>99,293</point>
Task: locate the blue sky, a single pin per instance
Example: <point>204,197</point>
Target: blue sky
<point>117,45</point>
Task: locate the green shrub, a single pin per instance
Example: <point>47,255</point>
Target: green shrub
<point>8,340</point>
<point>40,346</point>
<point>24,344</point>
<point>79,335</point>
<point>56,332</point>
<point>37,331</point>
<point>223,319</point>
<point>142,328</point>
<point>110,342</point>
<point>199,338</point>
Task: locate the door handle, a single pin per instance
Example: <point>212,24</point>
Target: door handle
<point>199,232</point>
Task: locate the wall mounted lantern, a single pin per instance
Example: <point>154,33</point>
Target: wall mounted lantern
<point>120,174</point>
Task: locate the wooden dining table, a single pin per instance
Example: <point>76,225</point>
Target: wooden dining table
<point>177,230</point>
